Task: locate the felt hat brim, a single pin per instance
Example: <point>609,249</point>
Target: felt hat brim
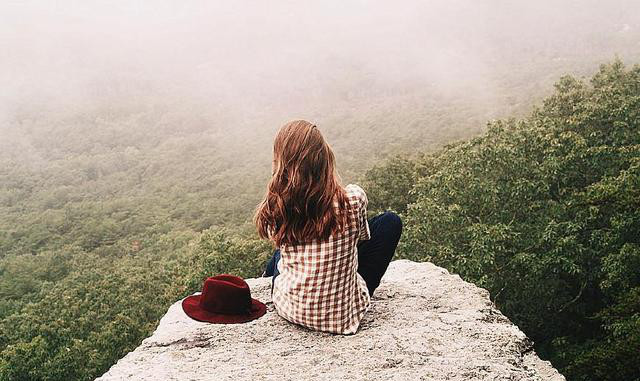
<point>191,306</point>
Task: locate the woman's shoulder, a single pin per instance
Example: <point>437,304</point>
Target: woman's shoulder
<point>356,193</point>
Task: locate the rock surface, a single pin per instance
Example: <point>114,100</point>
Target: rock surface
<point>423,324</point>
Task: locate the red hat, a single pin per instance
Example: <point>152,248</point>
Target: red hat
<point>224,299</point>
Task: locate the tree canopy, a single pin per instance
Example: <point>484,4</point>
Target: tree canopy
<point>545,213</point>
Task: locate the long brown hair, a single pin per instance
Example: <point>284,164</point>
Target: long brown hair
<point>298,206</point>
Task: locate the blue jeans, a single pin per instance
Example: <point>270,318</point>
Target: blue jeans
<point>374,254</point>
<point>272,268</point>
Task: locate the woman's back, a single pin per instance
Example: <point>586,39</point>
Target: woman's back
<point>329,258</point>
<point>318,285</point>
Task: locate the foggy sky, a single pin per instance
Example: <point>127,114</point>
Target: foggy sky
<point>243,56</point>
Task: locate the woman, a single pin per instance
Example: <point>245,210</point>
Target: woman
<point>329,259</point>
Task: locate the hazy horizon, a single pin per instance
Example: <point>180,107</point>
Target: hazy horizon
<point>253,57</point>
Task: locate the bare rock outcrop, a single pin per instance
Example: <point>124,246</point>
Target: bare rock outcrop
<point>423,324</point>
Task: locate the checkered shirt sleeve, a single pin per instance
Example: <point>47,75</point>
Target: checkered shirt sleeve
<point>318,286</point>
<point>363,226</point>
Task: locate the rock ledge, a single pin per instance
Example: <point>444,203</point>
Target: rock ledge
<point>423,324</point>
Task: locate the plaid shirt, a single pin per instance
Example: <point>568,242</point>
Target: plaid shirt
<point>318,286</point>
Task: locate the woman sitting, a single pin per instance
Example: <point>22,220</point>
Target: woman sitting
<point>329,258</point>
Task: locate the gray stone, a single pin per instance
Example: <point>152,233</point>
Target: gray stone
<point>423,324</point>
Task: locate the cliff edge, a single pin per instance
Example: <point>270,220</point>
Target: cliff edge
<point>423,324</point>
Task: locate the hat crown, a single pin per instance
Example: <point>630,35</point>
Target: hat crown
<point>225,294</point>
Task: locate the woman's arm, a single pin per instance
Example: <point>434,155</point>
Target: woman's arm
<point>362,201</point>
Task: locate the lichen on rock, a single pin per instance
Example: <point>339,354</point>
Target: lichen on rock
<point>423,324</point>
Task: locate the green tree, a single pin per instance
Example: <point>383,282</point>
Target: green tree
<point>544,212</point>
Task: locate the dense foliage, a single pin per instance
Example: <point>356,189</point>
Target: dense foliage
<point>75,328</point>
<point>108,215</point>
<point>545,213</point>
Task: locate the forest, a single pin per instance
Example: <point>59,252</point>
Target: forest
<point>132,158</point>
<point>543,211</point>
